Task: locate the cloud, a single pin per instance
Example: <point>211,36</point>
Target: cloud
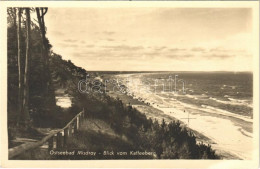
<point>108,32</point>
<point>152,54</point>
<point>176,49</point>
<point>220,49</point>
<point>71,40</point>
<point>56,33</point>
<point>109,39</point>
<point>220,56</point>
<point>66,45</point>
<point>88,54</point>
<point>160,48</point>
<point>198,49</point>
<point>89,46</point>
<point>78,54</point>
<point>124,48</point>
<point>179,56</point>
<point>92,55</point>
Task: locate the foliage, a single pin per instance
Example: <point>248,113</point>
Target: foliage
<point>41,103</point>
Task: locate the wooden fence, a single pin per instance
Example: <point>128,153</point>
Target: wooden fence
<point>57,139</point>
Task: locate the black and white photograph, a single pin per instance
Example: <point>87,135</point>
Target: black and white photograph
<point>131,83</point>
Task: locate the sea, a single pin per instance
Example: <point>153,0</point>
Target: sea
<point>227,91</point>
<point>218,105</point>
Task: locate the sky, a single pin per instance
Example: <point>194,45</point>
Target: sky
<point>153,39</point>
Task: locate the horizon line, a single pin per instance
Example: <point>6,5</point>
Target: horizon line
<point>167,71</point>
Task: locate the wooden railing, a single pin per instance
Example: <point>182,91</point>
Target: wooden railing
<point>57,139</point>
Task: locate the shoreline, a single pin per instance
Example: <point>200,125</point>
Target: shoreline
<point>200,137</point>
<point>239,129</point>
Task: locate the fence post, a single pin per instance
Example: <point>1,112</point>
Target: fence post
<point>77,120</point>
<point>66,135</point>
<point>54,140</point>
<point>70,130</point>
<point>50,143</point>
<point>75,125</point>
<point>59,140</point>
<point>81,120</point>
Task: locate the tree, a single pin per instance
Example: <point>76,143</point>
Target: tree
<point>49,92</point>
<point>20,69</point>
<point>25,115</point>
<point>12,13</point>
<point>40,16</point>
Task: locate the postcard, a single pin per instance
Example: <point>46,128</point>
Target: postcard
<point>130,84</point>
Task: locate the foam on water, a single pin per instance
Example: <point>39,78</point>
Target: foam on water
<point>227,135</point>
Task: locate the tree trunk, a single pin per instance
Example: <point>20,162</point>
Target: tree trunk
<point>20,71</point>
<point>15,25</point>
<point>27,69</point>
<point>40,17</point>
<point>49,92</point>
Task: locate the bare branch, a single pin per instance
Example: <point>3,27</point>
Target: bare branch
<point>44,11</point>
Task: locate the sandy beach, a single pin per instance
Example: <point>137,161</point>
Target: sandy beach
<point>225,131</point>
